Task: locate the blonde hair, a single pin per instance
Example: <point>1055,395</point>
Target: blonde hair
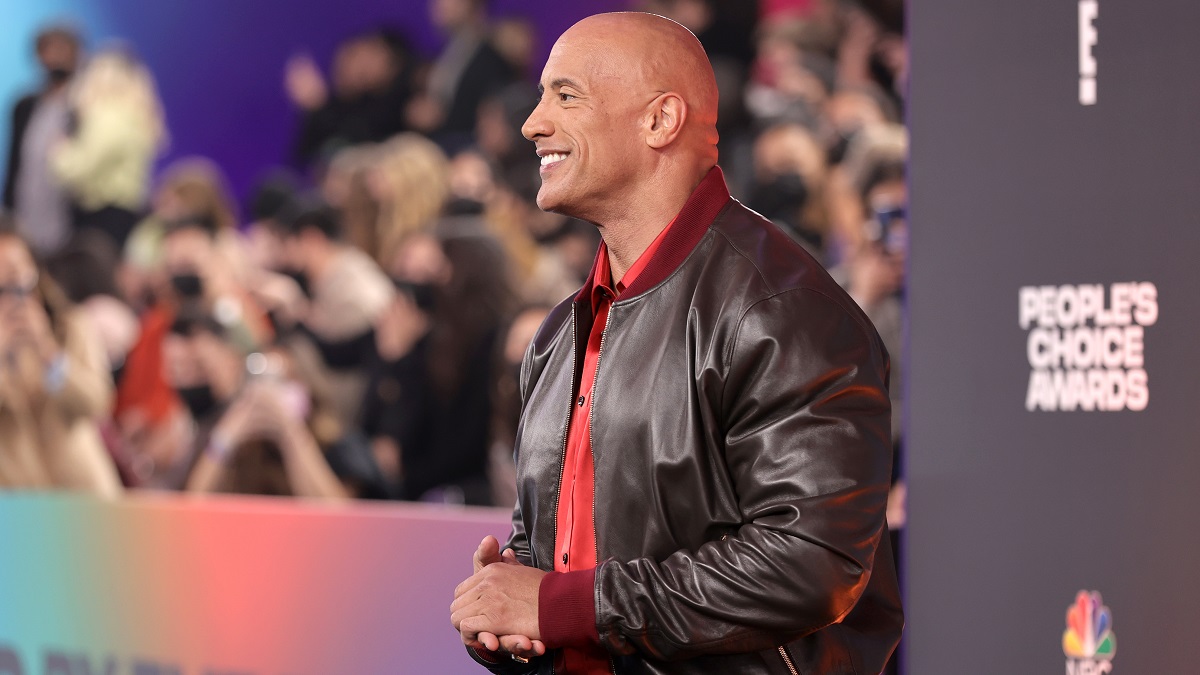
<point>413,181</point>
<point>347,187</point>
<point>114,77</point>
<point>201,188</point>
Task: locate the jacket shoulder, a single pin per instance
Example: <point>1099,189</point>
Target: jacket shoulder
<point>762,259</point>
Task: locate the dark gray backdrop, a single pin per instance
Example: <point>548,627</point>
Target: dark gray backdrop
<point>1015,183</point>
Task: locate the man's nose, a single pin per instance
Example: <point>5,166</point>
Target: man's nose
<point>536,126</point>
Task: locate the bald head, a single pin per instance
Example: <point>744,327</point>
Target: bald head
<point>654,54</point>
<point>628,106</point>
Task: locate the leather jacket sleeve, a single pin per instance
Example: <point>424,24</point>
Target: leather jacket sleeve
<point>805,416</point>
<point>518,541</point>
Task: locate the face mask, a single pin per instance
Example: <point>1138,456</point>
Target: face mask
<point>188,285</point>
<point>423,295</point>
<point>59,75</point>
<point>300,277</point>
<point>199,400</point>
<point>780,199</point>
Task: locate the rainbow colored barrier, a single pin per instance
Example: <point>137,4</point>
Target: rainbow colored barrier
<point>158,585</point>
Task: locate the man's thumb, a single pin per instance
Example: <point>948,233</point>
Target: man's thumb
<point>487,553</point>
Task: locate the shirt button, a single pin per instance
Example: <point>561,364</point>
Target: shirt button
<point>581,401</point>
<point>564,558</point>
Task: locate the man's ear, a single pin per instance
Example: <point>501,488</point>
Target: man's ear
<point>665,121</point>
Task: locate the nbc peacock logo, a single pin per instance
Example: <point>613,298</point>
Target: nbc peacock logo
<point>1088,642</point>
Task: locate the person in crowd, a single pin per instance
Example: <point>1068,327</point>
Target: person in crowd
<point>55,384</point>
<point>348,185</point>
<point>105,163</point>
<point>429,403</point>
<point>498,136</point>
<point>411,183</point>
<point>250,422</point>
<point>850,109</point>
<point>789,184</point>
<point>193,275</point>
<point>268,438</point>
<point>515,40</point>
<point>198,271</point>
<point>539,274</point>
<point>270,198</point>
<point>870,146</point>
<point>188,187</point>
<point>464,74</point>
<point>31,189</point>
<point>85,271</point>
<point>729,408</point>
<point>371,83</point>
<point>347,291</point>
<point>793,73</point>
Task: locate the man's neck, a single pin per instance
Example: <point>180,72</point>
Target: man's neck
<point>625,246</point>
<point>628,234</point>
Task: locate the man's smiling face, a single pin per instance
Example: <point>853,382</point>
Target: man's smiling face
<point>585,126</point>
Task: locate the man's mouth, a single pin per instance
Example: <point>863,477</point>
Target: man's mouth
<point>553,158</point>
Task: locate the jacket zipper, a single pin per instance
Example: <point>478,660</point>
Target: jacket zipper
<point>612,667</point>
<point>787,661</point>
<point>562,453</point>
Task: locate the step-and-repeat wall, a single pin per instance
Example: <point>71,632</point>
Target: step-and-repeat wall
<point>1055,337</point>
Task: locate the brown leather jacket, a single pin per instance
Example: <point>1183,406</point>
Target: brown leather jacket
<point>740,431</point>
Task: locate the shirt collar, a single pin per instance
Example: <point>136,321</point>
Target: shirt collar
<point>668,250</point>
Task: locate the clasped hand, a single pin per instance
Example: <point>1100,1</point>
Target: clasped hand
<point>496,609</point>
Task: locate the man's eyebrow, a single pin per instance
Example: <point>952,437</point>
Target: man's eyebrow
<point>558,83</point>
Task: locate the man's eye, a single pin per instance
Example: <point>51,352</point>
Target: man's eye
<point>564,97</point>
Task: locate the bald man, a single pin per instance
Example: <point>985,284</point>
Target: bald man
<point>704,451</point>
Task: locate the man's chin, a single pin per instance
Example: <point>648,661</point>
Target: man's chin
<point>548,201</point>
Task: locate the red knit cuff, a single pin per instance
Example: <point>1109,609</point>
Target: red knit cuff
<point>567,609</point>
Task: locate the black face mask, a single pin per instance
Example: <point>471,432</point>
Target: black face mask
<point>780,199</point>
<point>200,400</point>
<point>423,295</point>
<point>188,286</point>
<point>59,75</point>
<point>300,277</point>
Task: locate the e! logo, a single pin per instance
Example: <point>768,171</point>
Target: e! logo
<point>1088,10</point>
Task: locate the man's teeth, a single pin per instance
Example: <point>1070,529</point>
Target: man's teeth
<point>552,158</point>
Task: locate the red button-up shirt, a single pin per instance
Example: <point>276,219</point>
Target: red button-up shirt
<point>575,543</point>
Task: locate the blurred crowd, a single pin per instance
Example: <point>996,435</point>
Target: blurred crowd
<point>355,328</point>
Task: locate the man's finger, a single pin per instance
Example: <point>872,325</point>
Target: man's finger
<point>522,646</point>
<point>467,584</point>
<point>510,557</point>
<point>489,641</point>
<point>487,553</point>
<point>476,609</point>
<point>473,629</point>
<point>468,587</point>
<point>516,644</point>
